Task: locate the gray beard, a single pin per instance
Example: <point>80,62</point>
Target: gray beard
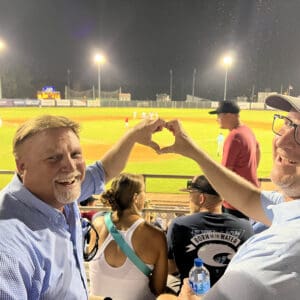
<point>67,197</point>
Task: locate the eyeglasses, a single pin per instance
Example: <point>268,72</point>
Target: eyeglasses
<point>282,123</point>
<point>87,227</point>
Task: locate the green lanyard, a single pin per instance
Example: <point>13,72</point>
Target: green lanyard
<point>124,246</point>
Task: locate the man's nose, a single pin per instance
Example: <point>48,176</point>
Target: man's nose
<point>68,164</point>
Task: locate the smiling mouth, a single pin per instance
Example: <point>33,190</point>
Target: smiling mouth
<point>68,181</point>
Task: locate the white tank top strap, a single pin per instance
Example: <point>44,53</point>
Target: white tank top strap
<point>127,235</point>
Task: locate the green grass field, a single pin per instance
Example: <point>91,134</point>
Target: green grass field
<point>101,127</point>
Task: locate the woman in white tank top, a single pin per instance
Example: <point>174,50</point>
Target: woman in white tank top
<point>112,274</point>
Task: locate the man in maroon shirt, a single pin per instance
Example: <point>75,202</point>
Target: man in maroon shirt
<point>241,152</point>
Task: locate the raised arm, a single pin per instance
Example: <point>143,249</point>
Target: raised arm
<point>236,190</point>
<point>116,158</point>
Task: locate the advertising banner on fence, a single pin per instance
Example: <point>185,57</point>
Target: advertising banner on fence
<point>32,102</point>
<point>7,102</point>
<point>79,102</point>
<point>19,102</point>
<point>93,103</point>
<point>63,103</point>
<point>48,102</point>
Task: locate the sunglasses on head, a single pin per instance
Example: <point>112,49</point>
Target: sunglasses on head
<point>194,187</point>
<point>190,185</point>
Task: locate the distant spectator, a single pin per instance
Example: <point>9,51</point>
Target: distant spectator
<point>156,221</point>
<point>241,152</point>
<point>220,144</point>
<point>126,122</point>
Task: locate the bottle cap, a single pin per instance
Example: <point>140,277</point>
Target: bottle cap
<point>198,262</point>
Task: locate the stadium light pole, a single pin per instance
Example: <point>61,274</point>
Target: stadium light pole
<point>171,84</point>
<point>193,84</point>
<point>227,62</point>
<point>68,83</point>
<point>99,59</point>
<point>2,48</point>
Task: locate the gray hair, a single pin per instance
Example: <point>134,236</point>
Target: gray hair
<point>39,124</point>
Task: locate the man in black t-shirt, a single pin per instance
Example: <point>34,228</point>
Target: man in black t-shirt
<point>206,232</point>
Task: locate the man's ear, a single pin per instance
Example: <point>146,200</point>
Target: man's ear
<point>201,199</point>
<point>20,166</point>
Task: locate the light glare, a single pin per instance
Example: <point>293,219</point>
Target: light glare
<point>99,59</point>
<point>2,45</point>
<point>227,60</point>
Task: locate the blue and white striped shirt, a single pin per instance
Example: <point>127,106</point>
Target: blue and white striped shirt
<point>40,247</point>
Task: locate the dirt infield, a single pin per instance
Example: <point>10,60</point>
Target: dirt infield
<point>142,153</point>
<point>138,154</point>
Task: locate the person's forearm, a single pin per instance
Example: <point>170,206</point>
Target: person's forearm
<point>114,161</point>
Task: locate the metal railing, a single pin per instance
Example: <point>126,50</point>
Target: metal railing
<point>150,214</point>
<point>6,172</point>
<point>156,209</point>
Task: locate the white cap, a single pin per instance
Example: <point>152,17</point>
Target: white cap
<point>283,102</point>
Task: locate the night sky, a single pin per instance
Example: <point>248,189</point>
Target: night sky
<point>144,39</point>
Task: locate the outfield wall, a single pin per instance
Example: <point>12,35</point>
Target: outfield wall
<point>119,103</point>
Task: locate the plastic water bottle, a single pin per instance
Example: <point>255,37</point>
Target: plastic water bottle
<point>199,278</point>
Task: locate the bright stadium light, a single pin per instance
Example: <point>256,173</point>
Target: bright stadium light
<point>2,45</point>
<point>99,59</point>
<point>227,62</point>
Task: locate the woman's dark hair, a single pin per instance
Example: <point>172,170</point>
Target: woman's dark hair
<point>120,194</point>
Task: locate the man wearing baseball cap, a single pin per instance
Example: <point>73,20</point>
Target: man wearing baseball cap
<point>206,232</point>
<point>267,265</point>
<point>241,152</point>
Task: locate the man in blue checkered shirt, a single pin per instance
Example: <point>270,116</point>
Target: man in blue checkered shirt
<point>40,231</point>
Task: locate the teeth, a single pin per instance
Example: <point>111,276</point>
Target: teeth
<point>68,181</point>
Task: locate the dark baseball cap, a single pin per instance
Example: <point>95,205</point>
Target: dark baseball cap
<point>199,184</point>
<point>283,102</point>
<point>226,107</point>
